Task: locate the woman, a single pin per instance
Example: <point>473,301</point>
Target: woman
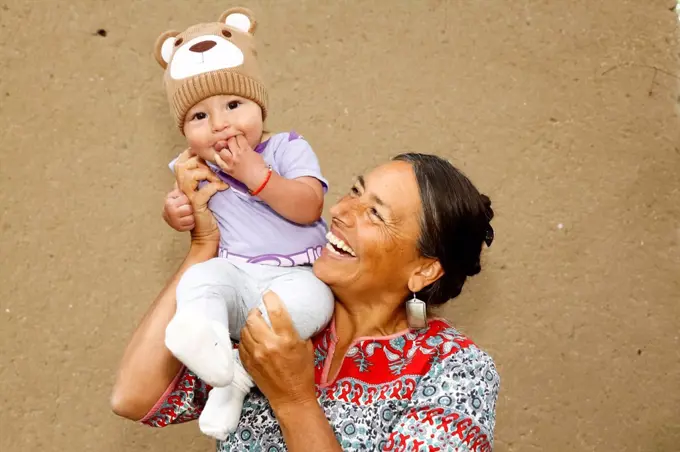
<point>381,376</point>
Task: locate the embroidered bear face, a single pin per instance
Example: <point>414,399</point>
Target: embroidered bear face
<point>211,58</point>
<point>208,47</point>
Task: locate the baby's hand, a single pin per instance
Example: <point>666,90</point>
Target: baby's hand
<point>242,163</point>
<point>177,211</point>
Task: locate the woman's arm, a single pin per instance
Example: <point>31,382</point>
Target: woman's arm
<point>147,367</point>
<point>282,366</point>
<point>305,427</point>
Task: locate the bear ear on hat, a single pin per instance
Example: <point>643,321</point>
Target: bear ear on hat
<point>241,19</point>
<point>165,47</point>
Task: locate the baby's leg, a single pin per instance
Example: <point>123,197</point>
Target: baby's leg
<point>308,300</point>
<point>212,300</point>
<point>310,305</point>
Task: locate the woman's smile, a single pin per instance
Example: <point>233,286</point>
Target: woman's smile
<point>338,247</point>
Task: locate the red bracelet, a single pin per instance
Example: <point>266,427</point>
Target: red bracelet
<point>264,184</point>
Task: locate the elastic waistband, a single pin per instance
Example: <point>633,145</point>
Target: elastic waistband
<point>306,257</point>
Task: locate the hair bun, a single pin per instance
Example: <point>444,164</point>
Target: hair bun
<point>487,207</point>
<point>474,269</point>
<point>488,212</point>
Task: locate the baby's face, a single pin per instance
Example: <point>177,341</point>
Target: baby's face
<point>211,122</point>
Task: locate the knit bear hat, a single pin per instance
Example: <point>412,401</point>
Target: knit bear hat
<point>210,59</point>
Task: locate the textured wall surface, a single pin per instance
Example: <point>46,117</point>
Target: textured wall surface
<point>565,113</point>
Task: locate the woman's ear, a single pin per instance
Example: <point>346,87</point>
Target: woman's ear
<point>424,275</point>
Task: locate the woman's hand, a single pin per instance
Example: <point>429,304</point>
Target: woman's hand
<point>282,366</point>
<point>278,360</point>
<point>189,172</point>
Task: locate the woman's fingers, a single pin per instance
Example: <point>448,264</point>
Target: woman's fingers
<point>258,342</point>
<point>187,161</point>
<point>248,341</point>
<point>257,327</point>
<point>279,317</point>
<point>261,343</point>
<point>214,178</point>
<point>281,365</point>
<point>206,192</point>
<point>192,163</point>
<point>189,179</point>
<point>183,157</point>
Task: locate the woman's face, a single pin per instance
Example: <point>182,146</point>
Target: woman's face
<point>373,234</point>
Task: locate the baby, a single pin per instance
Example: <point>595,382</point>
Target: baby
<point>269,219</point>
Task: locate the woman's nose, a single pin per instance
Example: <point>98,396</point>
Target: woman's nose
<point>345,211</point>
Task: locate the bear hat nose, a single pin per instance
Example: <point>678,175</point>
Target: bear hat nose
<point>203,46</point>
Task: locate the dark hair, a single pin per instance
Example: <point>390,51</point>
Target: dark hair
<point>455,223</point>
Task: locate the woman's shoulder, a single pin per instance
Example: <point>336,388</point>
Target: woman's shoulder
<point>462,378</point>
<point>453,347</point>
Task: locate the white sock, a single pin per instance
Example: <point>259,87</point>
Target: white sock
<point>202,345</point>
<point>214,418</point>
<point>222,411</point>
<point>240,387</point>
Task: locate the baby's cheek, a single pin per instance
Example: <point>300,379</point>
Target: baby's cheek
<point>201,148</point>
<point>207,154</point>
<point>254,138</point>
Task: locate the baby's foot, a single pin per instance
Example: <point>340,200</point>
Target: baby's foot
<point>222,411</point>
<point>202,345</point>
<point>214,419</point>
<point>240,387</point>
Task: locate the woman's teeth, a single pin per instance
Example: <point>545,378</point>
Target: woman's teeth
<point>330,248</point>
<point>336,242</point>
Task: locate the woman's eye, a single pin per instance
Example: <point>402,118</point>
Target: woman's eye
<point>354,191</point>
<point>200,115</point>
<point>233,104</point>
<point>375,213</point>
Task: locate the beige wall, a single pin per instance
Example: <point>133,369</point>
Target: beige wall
<point>554,108</point>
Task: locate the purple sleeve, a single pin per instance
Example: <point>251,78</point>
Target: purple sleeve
<point>297,159</point>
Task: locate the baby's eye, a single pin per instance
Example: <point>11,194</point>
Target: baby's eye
<point>198,116</point>
<point>233,105</point>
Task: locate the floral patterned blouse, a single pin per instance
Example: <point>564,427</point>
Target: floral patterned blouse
<point>428,390</point>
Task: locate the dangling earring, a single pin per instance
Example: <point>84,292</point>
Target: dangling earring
<point>416,313</point>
